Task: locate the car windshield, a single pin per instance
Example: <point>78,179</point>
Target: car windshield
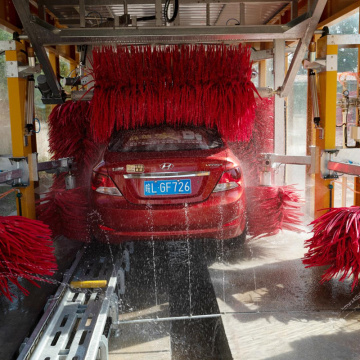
<point>165,139</point>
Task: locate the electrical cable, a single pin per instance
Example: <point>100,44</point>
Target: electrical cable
<point>338,182</point>
<point>175,11</point>
<point>38,121</point>
<point>95,12</point>
<point>331,187</point>
<point>146,18</point>
<point>7,193</point>
<point>71,72</point>
<point>19,195</point>
<point>346,94</point>
<point>238,22</point>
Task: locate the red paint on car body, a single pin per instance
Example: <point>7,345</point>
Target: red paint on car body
<point>130,187</point>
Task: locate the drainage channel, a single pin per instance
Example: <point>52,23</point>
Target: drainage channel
<point>169,310</point>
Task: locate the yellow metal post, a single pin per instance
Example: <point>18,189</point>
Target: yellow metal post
<point>262,73</point>
<point>21,147</point>
<point>324,193</point>
<point>54,61</point>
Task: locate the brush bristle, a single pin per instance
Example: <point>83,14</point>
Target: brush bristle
<point>25,252</point>
<point>336,243</point>
<point>187,85</point>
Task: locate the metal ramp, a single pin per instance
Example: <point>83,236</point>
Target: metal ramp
<point>79,318</point>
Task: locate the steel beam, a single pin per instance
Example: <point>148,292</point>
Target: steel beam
<point>343,168</point>
<point>315,14</point>
<point>6,176</point>
<point>39,35</point>
<point>294,9</point>
<point>171,35</point>
<point>35,34</point>
<point>279,106</point>
<point>350,39</point>
<point>242,13</point>
<point>208,15</point>
<point>163,35</point>
<point>82,13</point>
<point>258,55</point>
<point>67,3</point>
<point>158,12</point>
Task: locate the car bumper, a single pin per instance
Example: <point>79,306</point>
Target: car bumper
<point>221,216</point>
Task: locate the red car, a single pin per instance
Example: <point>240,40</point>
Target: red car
<point>166,183</point>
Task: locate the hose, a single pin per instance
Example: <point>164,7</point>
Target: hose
<point>331,187</point>
<point>19,195</point>
<point>175,12</point>
<point>146,18</point>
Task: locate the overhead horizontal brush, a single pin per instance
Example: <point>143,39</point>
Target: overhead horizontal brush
<point>175,85</point>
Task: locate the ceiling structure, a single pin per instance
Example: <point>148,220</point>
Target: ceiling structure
<point>78,22</point>
<point>191,13</point>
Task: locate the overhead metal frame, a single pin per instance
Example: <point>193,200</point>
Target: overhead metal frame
<point>302,47</point>
<point>35,33</point>
<point>42,34</point>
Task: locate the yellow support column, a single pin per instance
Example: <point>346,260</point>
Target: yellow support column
<point>324,193</point>
<point>262,73</point>
<point>54,61</point>
<point>17,98</point>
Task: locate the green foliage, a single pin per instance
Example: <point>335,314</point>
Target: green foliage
<point>64,67</point>
<point>4,35</point>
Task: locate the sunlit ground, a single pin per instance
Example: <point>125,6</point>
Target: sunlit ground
<point>274,308</point>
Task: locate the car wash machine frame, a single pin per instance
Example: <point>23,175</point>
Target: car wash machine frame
<point>80,316</point>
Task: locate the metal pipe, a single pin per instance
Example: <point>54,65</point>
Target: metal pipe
<point>23,37</point>
<point>30,101</point>
<point>31,57</point>
<point>314,98</point>
<point>175,318</point>
<point>331,187</point>
<point>6,176</point>
<point>19,195</point>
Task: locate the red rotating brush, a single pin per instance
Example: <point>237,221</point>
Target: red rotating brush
<point>187,85</point>
<point>271,209</point>
<point>336,243</point>
<point>25,252</point>
<point>66,211</point>
<point>70,136</point>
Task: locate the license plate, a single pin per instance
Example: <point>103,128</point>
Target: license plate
<point>167,187</point>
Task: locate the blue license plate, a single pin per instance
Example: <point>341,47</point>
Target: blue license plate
<point>167,187</point>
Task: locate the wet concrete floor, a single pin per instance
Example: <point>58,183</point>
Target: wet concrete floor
<point>274,308</point>
<point>173,284</point>
<point>270,306</point>
<point>264,303</point>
